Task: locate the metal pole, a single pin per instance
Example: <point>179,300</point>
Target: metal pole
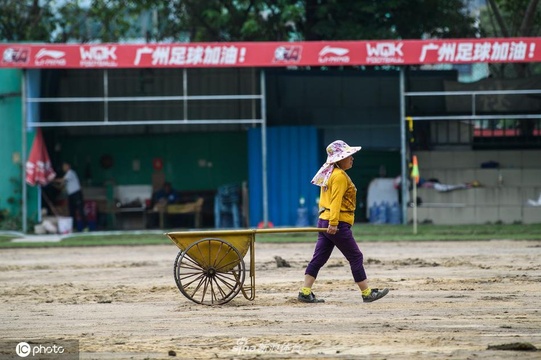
<point>149,122</point>
<point>142,98</point>
<point>23,152</point>
<point>414,205</point>
<point>264,149</point>
<point>185,93</point>
<point>105,96</point>
<point>254,92</point>
<point>403,176</point>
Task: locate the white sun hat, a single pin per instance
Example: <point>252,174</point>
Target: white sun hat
<point>336,151</point>
<point>339,150</point>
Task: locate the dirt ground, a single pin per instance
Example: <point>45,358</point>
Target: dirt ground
<point>447,300</point>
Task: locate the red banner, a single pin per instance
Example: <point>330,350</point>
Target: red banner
<point>266,54</point>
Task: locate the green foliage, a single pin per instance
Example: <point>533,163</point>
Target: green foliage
<point>511,18</point>
<point>104,20</point>
<point>10,222</point>
<point>25,20</point>
<point>261,20</point>
<point>241,20</point>
<point>391,19</point>
<point>231,20</point>
<point>515,17</point>
<point>11,217</point>
<point>265,20</point>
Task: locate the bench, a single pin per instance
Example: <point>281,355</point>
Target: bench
<point>194,208</point>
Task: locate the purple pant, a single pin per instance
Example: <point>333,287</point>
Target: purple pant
<point>345,242</point>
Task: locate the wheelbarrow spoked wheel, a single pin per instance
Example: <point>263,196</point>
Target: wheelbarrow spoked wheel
<point>210,272</point>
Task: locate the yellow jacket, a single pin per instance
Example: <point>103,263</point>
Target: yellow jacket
<point>339,199</point>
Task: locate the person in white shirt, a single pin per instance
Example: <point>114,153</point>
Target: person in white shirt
<point>75,196</point>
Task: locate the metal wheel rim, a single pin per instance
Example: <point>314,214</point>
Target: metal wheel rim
<point>205,283</point>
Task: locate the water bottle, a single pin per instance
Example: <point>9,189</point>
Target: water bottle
<point>382,213</point>
<point>395,214</point>
<point>373,216</point>
<point>302,214</point>
<point>315,212</point>
<point>387,213</point>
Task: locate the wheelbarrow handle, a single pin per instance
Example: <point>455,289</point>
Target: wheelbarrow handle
<point>288,230</point>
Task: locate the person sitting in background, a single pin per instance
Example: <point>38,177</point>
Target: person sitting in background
<point>161,197</point>
<point>165,195</point>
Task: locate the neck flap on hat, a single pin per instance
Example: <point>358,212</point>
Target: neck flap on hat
<point>321,178</point>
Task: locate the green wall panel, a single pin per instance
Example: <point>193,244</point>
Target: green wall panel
<point>10,140</point>
<point>191,161</point>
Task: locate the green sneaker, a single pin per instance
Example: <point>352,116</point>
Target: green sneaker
<point>311,298</point>
<point>375,295</point>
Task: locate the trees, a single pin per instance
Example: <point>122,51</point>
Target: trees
<point>23,20</point>
<point>279,20</point>
<point>231,20</point>
<point>228,20</point>
<point>390,19</point>
<point>100,20</point>
<point>73,20</point>
<point>512,18</point>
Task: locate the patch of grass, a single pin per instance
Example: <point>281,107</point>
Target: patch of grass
<point>92,240</point>
<point>6,238</point>
<point>124,239</point>
<point>369,232</point>
<point>362,233</point>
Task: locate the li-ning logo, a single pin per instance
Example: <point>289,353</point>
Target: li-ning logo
<point>385,53</point>
<point>98,56</point>
<point>54,54</point>
<point>50,57</point>
<point>333,55</point>
<point>287,54</point>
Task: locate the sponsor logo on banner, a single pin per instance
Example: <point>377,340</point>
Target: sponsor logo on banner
<point>16,55</point>
<point>47,57</point>
<point>287,54</point>
<point>384,53</point>
<point>333,55</point>
<point>98,56</point>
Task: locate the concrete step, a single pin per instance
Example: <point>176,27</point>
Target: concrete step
<point>508,159</point>
<point>505,195</point>
<point>487,177</point>
<point>477,214</point>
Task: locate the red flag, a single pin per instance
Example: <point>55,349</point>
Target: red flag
<point>39,170</point>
